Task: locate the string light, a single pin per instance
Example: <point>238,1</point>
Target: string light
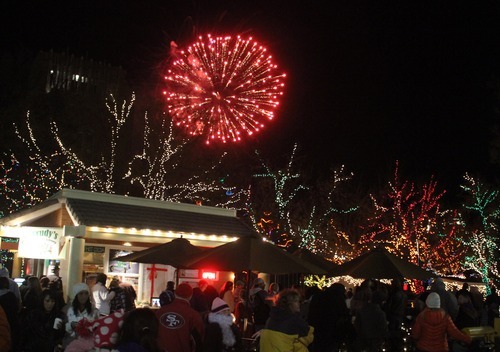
<point>482,241</point>
<point>311,229</point>
<point>44,173</point>
<point>410,223</point>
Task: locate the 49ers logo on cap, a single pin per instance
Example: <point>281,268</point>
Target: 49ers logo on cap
<point>172,320</point>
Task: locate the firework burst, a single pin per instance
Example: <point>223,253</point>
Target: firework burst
<point>223,88</point>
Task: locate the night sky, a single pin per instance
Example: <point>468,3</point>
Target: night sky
<point>369,82</point>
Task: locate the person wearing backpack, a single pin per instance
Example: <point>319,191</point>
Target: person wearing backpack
<point>168,295</point>
<point>260,305</point>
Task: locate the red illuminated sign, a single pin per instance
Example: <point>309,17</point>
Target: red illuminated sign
<point>209,275</point>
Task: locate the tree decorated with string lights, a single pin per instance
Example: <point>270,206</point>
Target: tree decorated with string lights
<point>151,173</point>
<point>41,174</point>
<point>295,214</point>
<point>411,223</point>
<point>277,194</point>
<point>482,211</point>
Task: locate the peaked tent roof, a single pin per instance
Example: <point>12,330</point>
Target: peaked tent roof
<point>316,259</point>
<point>175,252</point>
<point>109,210</point>
<point>380,264</point>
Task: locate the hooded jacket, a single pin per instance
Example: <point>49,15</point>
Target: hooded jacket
<point>286,331</point>
<point>432,328</point>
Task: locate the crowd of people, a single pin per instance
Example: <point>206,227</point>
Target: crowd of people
<point>369,317</point>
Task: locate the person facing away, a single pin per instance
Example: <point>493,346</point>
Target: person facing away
<point>221,333</point>
<point>259,304</point>
<point>181,328</point>
<point>33,297</point>
<point>448,300</point>
<point>285,329</point>
<point>139,332</point>
<point>102,296</point>
<point>371,323</point>
<point>13,287</point>
<point>395,310</point>
<point>434,325</point>
<point>167,296</point>
<point>492,304</point>
<point>226,293</point>
<point>209,295</point>
<point>5,338</point>
<point>9,303</point>
<point>130,295</point>
<point>330,317</point>
<point>119,301</point>
<point>43,327</point>
<point>467,314</point>
<point>198,301</point>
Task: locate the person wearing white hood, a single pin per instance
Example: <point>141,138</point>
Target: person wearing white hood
<point>13,287</point>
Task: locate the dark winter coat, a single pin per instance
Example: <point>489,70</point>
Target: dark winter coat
<point>371,322</point>
<point>213,339</point>
<point>38,333</point>
<point>259,305</point>
<point>329,316</point>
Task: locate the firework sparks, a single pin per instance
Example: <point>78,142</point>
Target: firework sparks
<point>223,88</point>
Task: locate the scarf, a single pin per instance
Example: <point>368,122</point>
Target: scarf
<point>225,322</point>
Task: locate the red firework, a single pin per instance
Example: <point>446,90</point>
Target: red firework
<point>223,87</point>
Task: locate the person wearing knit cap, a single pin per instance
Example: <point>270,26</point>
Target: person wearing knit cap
<point>221,334</point>
<point>181,327</point>
<point>81,308</point>
<point>434,326</point>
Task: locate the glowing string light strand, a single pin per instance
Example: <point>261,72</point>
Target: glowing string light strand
<point>159,161</point>
<point>223,88</point>
<point>482,241</point>
<point>409,222</point>
<point>44,173</point>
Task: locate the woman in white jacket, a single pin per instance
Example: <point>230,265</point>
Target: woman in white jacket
<point>81,308</point>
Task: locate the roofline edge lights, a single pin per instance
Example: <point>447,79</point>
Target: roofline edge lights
<point>159,233</point>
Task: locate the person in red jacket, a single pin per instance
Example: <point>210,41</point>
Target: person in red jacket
<point>433,326</point>
<point>181,327</point>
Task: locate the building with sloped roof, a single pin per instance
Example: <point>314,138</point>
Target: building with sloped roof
<point>83,232</point>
